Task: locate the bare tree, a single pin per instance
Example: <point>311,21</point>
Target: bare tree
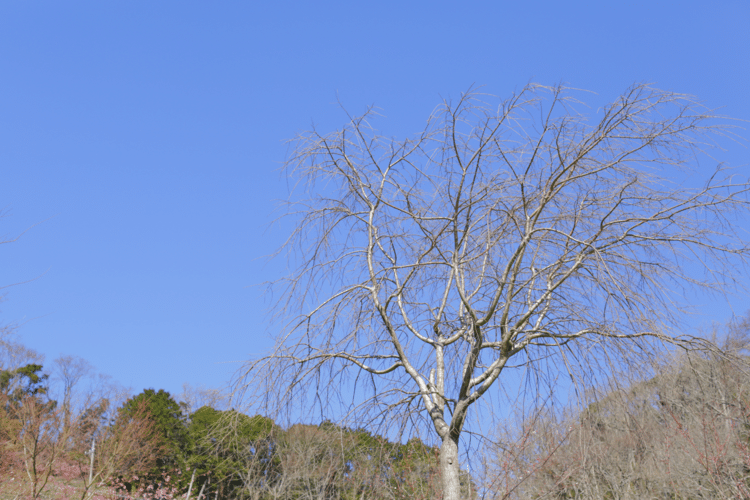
<point>35,429</point>
<point>130,446</point>
<point>13,354</point>
<point>69,370</point>
<point>520,231</point>
<point>192,398</point>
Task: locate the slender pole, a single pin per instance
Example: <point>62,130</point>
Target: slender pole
<point>91,458</point>
<point>200,493</point>
<point>191,485</point>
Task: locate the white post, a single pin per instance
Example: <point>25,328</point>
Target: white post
<point>191,485</point>
<point>200,493</point>
<point>91,462</point>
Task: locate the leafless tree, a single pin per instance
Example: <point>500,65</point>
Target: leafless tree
<point>13,354</point>
<point>505,236</point>
<point>525,457</point>
<point>193,398</point>
<point>69,370</point>
<point>128,447</point>
<point>35,431</point>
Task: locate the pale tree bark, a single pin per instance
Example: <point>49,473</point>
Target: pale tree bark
<point>506,230</point>
<point>449,467</point>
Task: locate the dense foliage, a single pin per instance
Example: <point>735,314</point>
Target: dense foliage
<point>169,436</point>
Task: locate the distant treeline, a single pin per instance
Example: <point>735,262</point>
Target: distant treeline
<point>152,446</point>
<point>679,430</point>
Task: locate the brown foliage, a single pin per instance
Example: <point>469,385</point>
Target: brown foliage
<point>33,440</point>
<point>128,448</point>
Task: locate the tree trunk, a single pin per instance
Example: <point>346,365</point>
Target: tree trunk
<point>449,469</point>
<point>190,488</point>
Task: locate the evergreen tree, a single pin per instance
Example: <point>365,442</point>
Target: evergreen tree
<point>24,381</point>
<point>170,429</point>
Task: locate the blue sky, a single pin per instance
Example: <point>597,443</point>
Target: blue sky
<point>144,140</point>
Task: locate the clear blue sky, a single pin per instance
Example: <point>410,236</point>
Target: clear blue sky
<point>148,135</point>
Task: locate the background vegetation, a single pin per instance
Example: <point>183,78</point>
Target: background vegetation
<point>680,429</point>
<point>99,444</point>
